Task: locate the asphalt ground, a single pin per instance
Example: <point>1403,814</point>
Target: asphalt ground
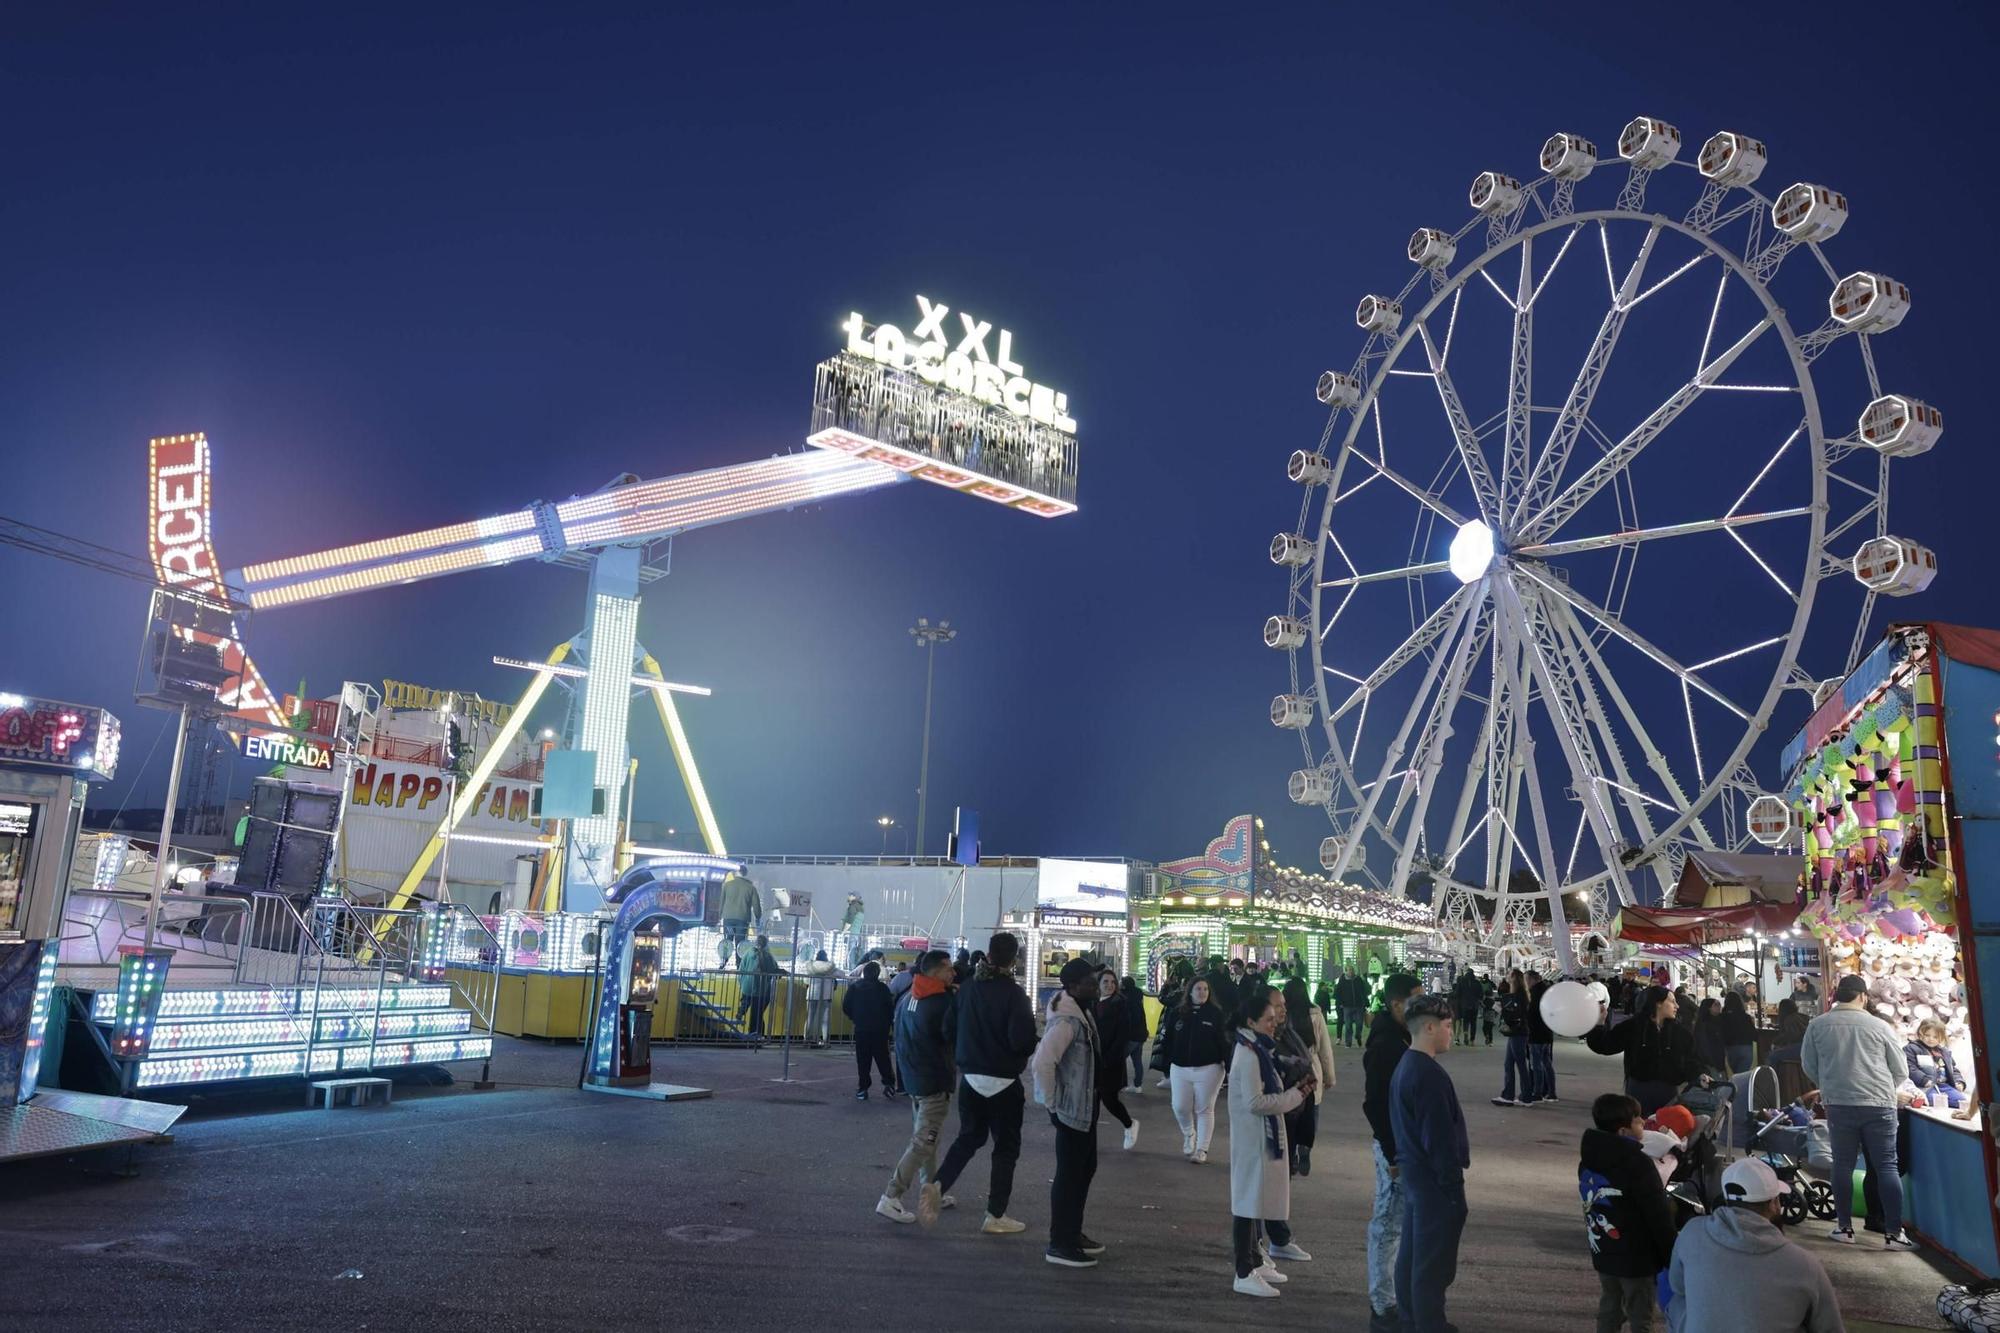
<point>537,1206</point>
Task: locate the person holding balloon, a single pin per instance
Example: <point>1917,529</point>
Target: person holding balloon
<point>1659,1054</point>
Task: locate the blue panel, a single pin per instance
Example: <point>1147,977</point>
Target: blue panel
<point>569,780</point>
<point>1946,1192</point>
<point>966,838</point>
<point>1971,698</point>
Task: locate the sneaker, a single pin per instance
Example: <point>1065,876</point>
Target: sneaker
<point>1200,1156</point>
<point>1289,1251</point>
<point>1160,1083</point>
<point>1254,1285</point>
<point>1269,1272</point>
<point>1068,1257</point>
<point>893,1210</point>
<point>1385,1321</point>
<point>1305,1160</point>
<point>927,1204</point>
<point>1137,1089</point>
<point>1899,1240</point>
<point>1187,1145</point>
<point>1845,1235</point>
<point>1131,1135</point>
<point>1507,1101</point>
<point>946,1201</point>
<point>1002,1226</point>
<point>1093,1248</point>
<point>861,1095</point>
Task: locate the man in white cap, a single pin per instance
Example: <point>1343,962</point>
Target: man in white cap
<point>1734,1272</point>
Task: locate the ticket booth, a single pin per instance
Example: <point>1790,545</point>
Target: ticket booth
<point>50,753</point>
<point>1052,936</point>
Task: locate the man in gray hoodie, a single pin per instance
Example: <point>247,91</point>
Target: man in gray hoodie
<point>1857,1060</point>
<point>1734,1271</point>
<point>1065,1066</point>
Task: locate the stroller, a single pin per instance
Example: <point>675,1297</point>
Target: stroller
<point>1781,1142</point>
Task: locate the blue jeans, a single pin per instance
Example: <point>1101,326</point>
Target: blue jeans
<point>1869,1131</point>
<point>1517,1060</point>
<point>1353,1025</point>
<point>1742,1059</point>
<point>1428,1261</point>
<point>1136,1052</point>
<point>1542,1063</point>
<point>1385,1230</point>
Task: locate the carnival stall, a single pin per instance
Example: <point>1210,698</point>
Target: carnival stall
<point>1236,901</point>
<point>1896,778</point>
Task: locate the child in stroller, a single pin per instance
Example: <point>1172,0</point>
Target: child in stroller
<point>1781,1142</point>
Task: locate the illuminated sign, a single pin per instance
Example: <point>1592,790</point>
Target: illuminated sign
<point>958,359</point>
<point>1057,920</point>
<point>180,536</point>
<point>402,694</point>
<point>1090,887</point>
<point>294,751</point>
<point>16,821</point>
<point>58,735</point>
<point>411,791</point>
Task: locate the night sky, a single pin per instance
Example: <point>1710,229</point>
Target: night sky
<point>413,264</point>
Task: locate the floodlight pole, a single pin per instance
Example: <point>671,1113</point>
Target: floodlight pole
<point>167,828</point>
<point>928,637</point>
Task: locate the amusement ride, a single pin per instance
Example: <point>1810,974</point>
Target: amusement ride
<point>1491,688</point>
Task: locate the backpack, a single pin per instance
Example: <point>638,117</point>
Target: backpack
<point>1973,1309</point>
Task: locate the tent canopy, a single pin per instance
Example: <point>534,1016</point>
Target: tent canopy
<point>1703,925</point>
<point>1733,879</point>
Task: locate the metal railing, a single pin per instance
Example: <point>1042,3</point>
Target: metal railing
<point>211,931</point>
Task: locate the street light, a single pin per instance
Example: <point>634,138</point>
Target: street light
<point>886,824</point>
<point>928,637</point>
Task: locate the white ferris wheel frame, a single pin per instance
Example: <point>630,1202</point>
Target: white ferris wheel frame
<point>1537,637</point>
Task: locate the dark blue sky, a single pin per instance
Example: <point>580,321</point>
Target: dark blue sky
<point>406,265</point>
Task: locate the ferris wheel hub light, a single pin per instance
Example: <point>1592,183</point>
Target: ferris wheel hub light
<point>1472,552</point>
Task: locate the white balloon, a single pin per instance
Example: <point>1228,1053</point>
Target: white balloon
<point>1569,1008</point>
<point>1599,992</point>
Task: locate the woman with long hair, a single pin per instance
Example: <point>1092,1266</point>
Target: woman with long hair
<point>1514,1027</point>
<point>1708,1036</point>
<point>1260,1190</point>
<point>1114,1027</point>
<point>1659,1054</point>
<point>1305,1032</point>
<point>1197,1038</point>
<point>1739,1033</point>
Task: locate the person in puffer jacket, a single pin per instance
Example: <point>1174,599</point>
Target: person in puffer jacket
<point>1625,1215</point>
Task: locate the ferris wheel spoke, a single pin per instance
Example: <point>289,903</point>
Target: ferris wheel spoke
<point>1634,536</point>
<point>1547,472</point>
<point>1630,636</point>
<point>1437,731</point>
<point>1469,452</point>
<point>1393,756</point>
<point>1416,492</point>
<point>1383,575</point>
<point>1420,638</point>
<point>1621,456</point>
<point>1520,386</point>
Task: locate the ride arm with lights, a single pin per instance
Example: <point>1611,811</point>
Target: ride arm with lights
<point>628,514</point>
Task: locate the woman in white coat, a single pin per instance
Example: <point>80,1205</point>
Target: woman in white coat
<point>1260,1187</point>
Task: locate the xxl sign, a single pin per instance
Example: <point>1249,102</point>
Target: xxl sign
<point>181,540</point>
<point>957,357</point>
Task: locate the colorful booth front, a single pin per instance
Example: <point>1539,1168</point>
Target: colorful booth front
<point>1896,780</point>
<point>1236,901</point>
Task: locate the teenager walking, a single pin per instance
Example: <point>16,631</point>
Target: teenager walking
<point>1114,1029</point>
<point>1432,1150</point>
<point>924,1042</point>
<point>996,1035</point>
<point>1065,1064</point>
<point>1517,1087</point>
<point>1197,1037</point>
<point>1388,1041</point>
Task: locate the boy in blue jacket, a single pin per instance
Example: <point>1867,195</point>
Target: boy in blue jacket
<point>1433,1154</point>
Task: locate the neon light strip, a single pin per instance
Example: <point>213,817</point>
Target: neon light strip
<point>196,1004</point>
<point>401,571</point>
<point>817,483</point>
<point>540,844</point>
<point>228,1066</point>
<point>240,1034</point>
<point>454,534</point>
<point>711,832</point>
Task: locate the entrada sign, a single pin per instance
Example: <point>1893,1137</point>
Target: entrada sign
<point>964,365</point>
<point>294,751</point>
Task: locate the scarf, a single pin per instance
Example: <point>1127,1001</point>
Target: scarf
<point>1262,1046</point>
<point>924,987</point>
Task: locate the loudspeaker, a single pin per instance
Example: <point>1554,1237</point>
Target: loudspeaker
<point>290,838</point>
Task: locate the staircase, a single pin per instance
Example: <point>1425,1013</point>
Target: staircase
<point>708,1008</point>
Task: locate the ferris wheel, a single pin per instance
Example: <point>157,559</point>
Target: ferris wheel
<point>1607,482</point>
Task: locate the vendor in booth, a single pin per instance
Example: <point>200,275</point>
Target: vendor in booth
<point>1931,1065</point>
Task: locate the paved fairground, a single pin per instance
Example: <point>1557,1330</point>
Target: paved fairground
<point>537,1206</point>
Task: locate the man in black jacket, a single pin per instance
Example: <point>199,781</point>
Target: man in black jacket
<point>924,1029</point>
<point>1625,1216</point>
<point>996,1035</point>
<point>1388,1039</point>
<point>868,1007</point>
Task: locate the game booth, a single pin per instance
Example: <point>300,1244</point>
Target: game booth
<point>1236,901</point>
<point>1896,779</point>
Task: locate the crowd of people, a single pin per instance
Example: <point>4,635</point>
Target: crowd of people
<point>963,1029</point>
